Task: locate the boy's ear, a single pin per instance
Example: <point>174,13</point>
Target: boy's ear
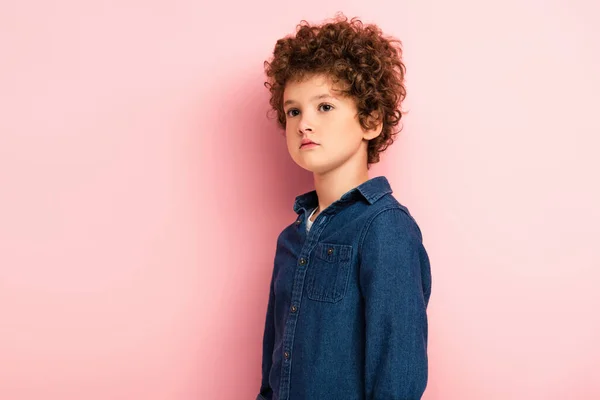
<point>375,118</point>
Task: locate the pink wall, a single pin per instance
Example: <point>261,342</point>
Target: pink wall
<point>142,189</point>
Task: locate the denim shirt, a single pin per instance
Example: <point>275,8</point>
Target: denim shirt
<point>346,317</point>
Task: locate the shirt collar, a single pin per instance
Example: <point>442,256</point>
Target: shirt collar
<point>371,190</point>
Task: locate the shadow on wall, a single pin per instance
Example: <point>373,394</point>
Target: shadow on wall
<point>253,162</point>
<point>256,183</point>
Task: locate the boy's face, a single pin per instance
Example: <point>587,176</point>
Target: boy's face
<point>316,112</point>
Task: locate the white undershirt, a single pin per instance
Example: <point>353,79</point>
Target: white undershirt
<point>308,221</point>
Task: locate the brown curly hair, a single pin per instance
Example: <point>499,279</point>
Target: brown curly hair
<point>368,63</point>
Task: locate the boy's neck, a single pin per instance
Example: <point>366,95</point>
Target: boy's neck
<point>331,186</point>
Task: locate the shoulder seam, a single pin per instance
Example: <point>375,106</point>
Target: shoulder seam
<point>368,224</point>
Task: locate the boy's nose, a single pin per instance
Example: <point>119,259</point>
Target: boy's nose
<point>304,127</point>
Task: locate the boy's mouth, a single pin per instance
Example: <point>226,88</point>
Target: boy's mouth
<point>308,143</point>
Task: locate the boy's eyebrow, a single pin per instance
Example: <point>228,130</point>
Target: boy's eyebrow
<point>317,97</point>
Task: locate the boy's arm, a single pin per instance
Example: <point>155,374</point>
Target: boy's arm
<point>266,392</point>
<point>395,280</point>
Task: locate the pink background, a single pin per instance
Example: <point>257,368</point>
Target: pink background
<point>142,189</point>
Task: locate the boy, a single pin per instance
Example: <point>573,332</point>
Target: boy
<point>346,316</point>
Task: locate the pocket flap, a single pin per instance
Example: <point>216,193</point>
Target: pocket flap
<point>333,253</point>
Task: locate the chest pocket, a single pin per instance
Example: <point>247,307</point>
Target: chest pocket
<point>327,275</point>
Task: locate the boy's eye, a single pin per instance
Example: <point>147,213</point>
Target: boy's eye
<point>292,112</point>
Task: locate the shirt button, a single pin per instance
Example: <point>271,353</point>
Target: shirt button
<point>302,261</point>
<point>294,308</point>
<point>330,251</point>
<point>297,222</point>
<point>286,355</point>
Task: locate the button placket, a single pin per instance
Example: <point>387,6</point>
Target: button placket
<point>302,263</point>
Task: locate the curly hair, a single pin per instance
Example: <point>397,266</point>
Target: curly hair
<point>368,63</point>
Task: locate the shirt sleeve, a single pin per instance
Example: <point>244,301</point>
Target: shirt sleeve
<point>395,281</point>
<point>266,392</point>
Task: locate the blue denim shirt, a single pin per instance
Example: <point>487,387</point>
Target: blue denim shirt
<point>346,317</point>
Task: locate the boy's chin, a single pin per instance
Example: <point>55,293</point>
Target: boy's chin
<point>315,168</point>
<point>317,164</point>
